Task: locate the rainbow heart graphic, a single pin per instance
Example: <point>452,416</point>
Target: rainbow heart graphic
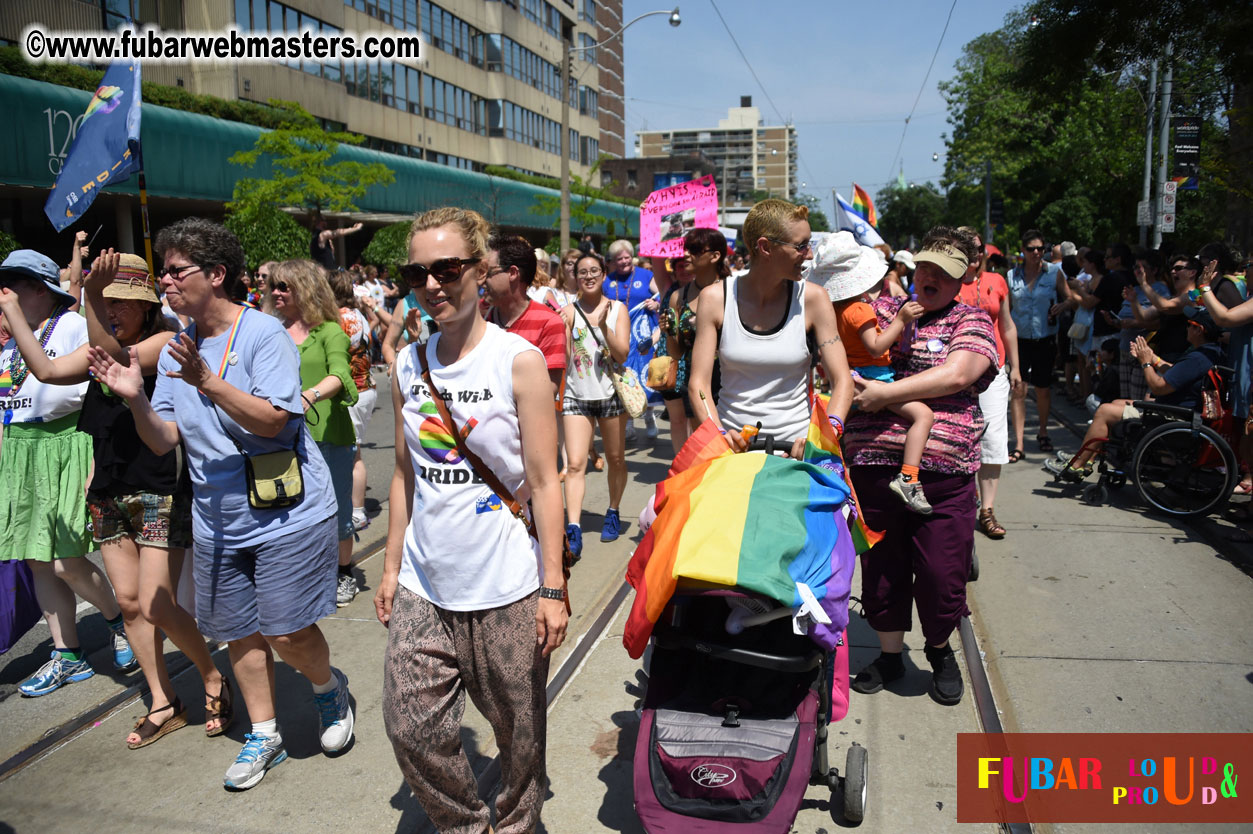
<point>435,438</point>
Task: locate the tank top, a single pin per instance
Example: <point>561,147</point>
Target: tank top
<point>123,462</point>
<point>765,376</point>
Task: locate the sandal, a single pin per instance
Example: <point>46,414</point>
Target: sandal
<point>220,707</point>
<point>1042,440</point>
<point>149,732</point>
<point>1016,455</point>
<point>989,526</point>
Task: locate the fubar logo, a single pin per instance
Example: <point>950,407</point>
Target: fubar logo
<point>713,775</point>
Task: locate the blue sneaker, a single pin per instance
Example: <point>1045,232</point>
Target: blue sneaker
<point>612,528</point>
<point>335,714</point>
<point>574,534</point>
<point>124,659</point>
<point>53,674</point>
<point>259,754</point>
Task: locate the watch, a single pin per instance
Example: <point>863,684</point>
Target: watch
<point>317,395</point>
<point>1146,364</point>
<point>551,593</point>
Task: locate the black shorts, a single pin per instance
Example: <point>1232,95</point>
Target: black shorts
<point>1035,358</point>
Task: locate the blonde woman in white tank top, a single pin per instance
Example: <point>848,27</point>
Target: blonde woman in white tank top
<point>757,324</point>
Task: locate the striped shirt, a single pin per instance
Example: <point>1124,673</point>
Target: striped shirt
<point>878,438</point>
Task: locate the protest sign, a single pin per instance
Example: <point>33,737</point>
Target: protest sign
<point>670,213</point>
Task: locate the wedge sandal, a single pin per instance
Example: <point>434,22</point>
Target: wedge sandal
<point>221,707</point>
<point>149,732</point>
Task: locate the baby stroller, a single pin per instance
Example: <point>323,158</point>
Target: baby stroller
<point>734,725</point>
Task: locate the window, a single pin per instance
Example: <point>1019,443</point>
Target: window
<point>587,47</point>
<point>508,120</point>
<point>507,56</point>
<point>587,10</point>
<point>451,34</point>
<point>453,106</point>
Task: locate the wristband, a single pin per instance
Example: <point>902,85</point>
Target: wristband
<point>551,593</point>
<point>836,423</point>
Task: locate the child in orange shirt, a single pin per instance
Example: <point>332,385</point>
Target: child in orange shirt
<point>849,274</point>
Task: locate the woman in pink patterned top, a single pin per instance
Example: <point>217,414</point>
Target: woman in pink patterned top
<point>946,360</point>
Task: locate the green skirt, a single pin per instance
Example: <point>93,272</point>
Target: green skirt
<point>43,475</point>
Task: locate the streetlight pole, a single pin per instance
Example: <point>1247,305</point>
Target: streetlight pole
<point>566,71</point>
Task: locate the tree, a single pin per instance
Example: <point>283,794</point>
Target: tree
<point>817,217</point>
<point>389,246</point>
<point>7,244</point>
<point>582,218</point>
<point>302,173</point>
<point>268,234</point>
<point>908,212</point>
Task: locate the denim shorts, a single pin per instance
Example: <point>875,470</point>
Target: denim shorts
<point>151,520</point>
<point>276,587</point>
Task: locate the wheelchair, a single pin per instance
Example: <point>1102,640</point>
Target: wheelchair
<point>1182,462</point>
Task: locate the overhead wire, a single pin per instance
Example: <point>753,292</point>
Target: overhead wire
<point>922,88</point>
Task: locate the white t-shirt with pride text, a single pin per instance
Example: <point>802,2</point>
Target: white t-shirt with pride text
<point>35,401</point>
<point>464,550</point>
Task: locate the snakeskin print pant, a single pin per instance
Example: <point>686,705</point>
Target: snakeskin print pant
<point>434,657</point>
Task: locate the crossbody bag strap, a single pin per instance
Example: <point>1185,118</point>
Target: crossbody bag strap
<point>476,463</point>
<point>614,364</point>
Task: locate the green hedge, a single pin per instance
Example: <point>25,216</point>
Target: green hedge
<point>388,246</point>
<point>268,234</point>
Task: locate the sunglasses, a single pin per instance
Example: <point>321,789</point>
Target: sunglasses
<point>278,286</point>
<point>445,270</point>
<point>803,246</point>
<point>1033,248</point>
<point>176,272</point>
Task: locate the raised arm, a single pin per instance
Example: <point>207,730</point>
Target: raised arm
<point>880,342</point>
<point>1222,314</point>
<point>63,370</point>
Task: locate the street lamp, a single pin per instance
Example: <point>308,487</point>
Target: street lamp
<point>569,51</point>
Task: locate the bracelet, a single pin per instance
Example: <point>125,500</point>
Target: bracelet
<point>551,593</point>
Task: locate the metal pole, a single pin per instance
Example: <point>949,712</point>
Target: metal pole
<point>565,146</point>
<point>987,201</point>
<point>143,213</point>
<point>1162,143</point>
<point>724,190</point>
<point>1147,194</point>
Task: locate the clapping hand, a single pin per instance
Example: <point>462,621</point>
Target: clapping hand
<point>1207,274</point>
<point>192,368</point>
<point>127,381</point>
<point>103,270</point>
<point>1141,351</point>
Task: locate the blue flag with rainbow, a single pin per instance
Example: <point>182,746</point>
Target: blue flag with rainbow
<point>105,149</point>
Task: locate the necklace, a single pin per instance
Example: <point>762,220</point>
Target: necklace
<point>11,379</point>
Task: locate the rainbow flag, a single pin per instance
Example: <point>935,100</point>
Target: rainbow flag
<point>822,448</point>
<point>754,521</point>
<point>864,205</point>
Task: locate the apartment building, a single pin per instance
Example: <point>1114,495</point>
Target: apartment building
<point>487,90</point>
<point>746,154</point>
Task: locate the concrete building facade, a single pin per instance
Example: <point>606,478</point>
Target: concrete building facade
<point>486,91</point>
<point>747,154</point>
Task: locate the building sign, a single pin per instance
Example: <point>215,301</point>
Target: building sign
<point>1187,151</point>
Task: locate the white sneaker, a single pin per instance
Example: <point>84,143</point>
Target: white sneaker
<point>630,430</point>
<point>335,714</point>
<point>345,589</point>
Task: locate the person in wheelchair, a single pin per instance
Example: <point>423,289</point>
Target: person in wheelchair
<point>1177,384</point>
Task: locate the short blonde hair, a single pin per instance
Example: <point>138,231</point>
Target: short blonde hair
<point>474,229</point>
<point>767,219</point>
<point>619,245</point>
<point>310,289</point>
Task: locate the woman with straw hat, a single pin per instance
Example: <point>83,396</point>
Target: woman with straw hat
<point>139,502</point>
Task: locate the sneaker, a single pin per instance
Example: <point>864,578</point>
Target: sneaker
<point>1063,470</point>
<point>881,671</point>
<point>612,528</point>
<point>574,535</point>
<point>946,678</point>
<point>336,715</point>
<point>259,754</point>
<point>124,659</point>
<point>911,493</point>
<point>650,425</point>
<point>53,674</point>
<point>345,589</point>
<point>630,430</point>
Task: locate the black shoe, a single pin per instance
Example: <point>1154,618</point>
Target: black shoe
<point>884,669</point>
<point>946,678</point>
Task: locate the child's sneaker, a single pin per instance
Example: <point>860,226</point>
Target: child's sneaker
<point>911,493</point>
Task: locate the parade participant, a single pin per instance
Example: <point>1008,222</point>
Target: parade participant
<point>44,468</point>
<point>511,269</point>
<point>357,317</point>
<point>704,262</point>
<point>264,577</point>
<point>480,615</point>
<point>758,325</point>
<point>565,276</point>
<point>140,503</point>
<point>990,293</point>
<point>924,560</point>
<point>1034,291</point>
<point>1176,384</point>
<point>599,331</point>
<point>300,295</point>
<point>847,271</point>
<point>900,274</point>
<point>322,246</point>
<point>635,287</point>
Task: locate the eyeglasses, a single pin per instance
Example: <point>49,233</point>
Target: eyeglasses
<point>1033,248</point>
<point>799,247</point>
<point>278,286</point>
<point>594,272</point>
<point>177,272</point>
<point>444,270</point>
<point>1178,267</point>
